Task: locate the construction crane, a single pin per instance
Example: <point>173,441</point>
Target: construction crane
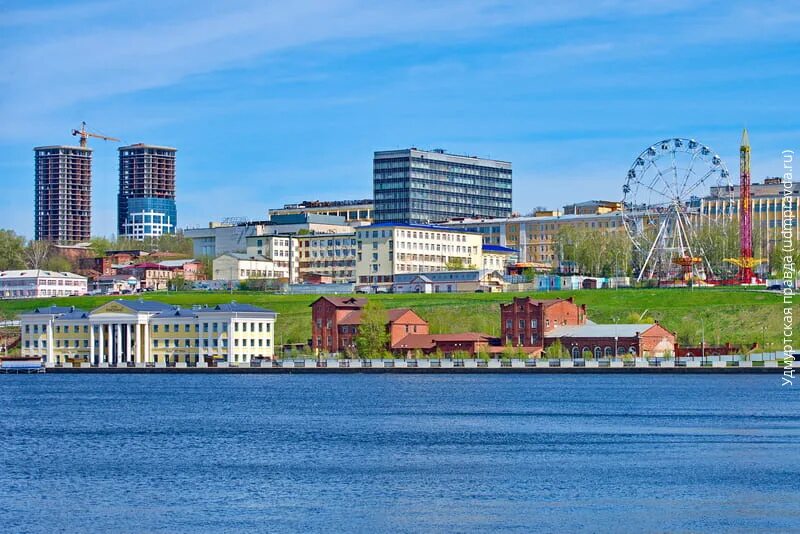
<point>84,135</point>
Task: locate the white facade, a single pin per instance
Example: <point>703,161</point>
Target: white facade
<point>388,249</point>
<point>280,249</point>
<point>35,283</point>
<point>240,267</point>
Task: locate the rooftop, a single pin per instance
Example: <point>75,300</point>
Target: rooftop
<point>39,273</point>
<point>599,330</point>
<point>498,248</point>
<point>413,225</point>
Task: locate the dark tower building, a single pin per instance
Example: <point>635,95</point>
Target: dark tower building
<point>63,194</point>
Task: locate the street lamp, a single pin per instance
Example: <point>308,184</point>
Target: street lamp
<point>703,341</point>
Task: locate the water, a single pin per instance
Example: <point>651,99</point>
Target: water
<point>516,453</point>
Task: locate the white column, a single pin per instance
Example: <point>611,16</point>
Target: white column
<point>138,351</point>
<point>50,341</point>
<point>146,344</point>
<point>129,345</point>
<point>230,340</point>
<point>110,343</point>
<point>91,343</point>
<point>118,336</point>
<point>100,344</point>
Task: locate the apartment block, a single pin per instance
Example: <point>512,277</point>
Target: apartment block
<point>146,199</point>
<point>63,194</point>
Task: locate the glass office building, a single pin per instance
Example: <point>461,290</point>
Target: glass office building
<point>149,217</point>
<point>421,186</point>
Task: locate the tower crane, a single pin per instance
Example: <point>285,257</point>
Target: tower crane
<point>84,135</point>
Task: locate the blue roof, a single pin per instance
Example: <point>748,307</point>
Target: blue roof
<point>54,310</point>
<point>177,312</point>
<point>415,225</point>
<point>145,305</point>
<point>74,315</point>
<point>194,312</point>
<point>498,248</point>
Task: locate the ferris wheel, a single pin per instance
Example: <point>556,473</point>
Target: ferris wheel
<point>661,208</point>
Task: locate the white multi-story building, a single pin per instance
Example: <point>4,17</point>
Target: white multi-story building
<point>281,250</point>
<point>234,266</point>
<point>386,249</point>
<point>33,283</point>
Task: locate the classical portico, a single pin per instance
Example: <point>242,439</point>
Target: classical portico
<point>119,335</point>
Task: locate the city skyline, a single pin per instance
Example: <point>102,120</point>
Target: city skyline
<point>263,117</point>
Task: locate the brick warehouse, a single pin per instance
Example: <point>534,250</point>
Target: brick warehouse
<point>527,322</point>
<point>335,320</point>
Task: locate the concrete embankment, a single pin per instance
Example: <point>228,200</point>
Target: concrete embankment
<point>416,370</point>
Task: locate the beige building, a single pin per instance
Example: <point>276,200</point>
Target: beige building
<point>137,333</point>
<point>768,204</point>
<point>534,237</point>
<point>328,255</point>
<point>387,249</point>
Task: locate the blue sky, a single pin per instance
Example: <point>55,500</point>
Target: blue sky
<point>276,102</point>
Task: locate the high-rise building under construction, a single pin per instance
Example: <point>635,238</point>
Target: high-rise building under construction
<point>63,194</point>
<point>146,199</point>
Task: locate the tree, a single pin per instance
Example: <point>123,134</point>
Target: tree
<point>177,243</point>
<point>179,283</point>
<point>11,251</point>
<point>457,264</point>
<point>555,350</point>
<point>36,254</point>
<point>372,338</point>
<point>58,263</point>
<point>594,251</point>
<point>100,245</point>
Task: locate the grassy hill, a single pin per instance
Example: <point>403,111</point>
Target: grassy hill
<point>735,315</point>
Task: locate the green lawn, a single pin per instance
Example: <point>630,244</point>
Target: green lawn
<point>735,315</point>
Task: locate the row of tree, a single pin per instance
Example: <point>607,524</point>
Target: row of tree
<point>598,252</point>
<point>18,253</point>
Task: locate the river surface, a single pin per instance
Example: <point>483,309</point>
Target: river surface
<point>411,453</point>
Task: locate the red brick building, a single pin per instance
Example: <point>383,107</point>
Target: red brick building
<point>525,321</point>
<point>335,321</point>
<point>469,342</point>
<point>604,340</point>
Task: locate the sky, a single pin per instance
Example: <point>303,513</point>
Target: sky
<point>277,102</point>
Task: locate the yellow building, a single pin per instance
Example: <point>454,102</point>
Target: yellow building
<point>138,333</point>
<point>534,237</point>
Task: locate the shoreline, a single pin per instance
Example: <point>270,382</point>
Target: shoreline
<point>413,370</point>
